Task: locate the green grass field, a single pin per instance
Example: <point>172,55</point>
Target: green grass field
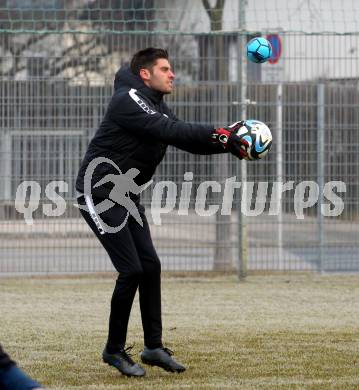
<point>297,331</point>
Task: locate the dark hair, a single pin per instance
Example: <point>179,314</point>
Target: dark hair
<point>146,58</point>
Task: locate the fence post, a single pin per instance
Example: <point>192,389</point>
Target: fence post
<point>242,77</point>
<point>279,166</point>
<point>223,254</point>
<point>6,158</point>
<point>320,169</point>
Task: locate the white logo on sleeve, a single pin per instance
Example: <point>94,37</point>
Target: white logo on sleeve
<point>140,102</point>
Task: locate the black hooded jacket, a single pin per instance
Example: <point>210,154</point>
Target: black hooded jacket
<point>136,130</point>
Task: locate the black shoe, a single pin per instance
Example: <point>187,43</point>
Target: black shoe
<point>161,357</point>
<point>123,362</point>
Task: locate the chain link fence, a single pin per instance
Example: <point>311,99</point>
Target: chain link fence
<point>56,80</point>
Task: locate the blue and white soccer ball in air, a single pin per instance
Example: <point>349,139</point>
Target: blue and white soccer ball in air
<point>259,50</point>
<point>258,136</point>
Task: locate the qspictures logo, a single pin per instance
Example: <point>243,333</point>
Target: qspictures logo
<point>167,196</point>
<point>123,185</point>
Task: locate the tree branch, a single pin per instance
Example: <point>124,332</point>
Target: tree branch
<point>220,4</point>
<point>215,14</point>
<point>207,8</point>
<point>84,61</point>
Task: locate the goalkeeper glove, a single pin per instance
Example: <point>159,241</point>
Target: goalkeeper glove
<point>228,138</point>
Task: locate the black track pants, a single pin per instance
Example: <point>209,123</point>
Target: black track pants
<point>133,255</point>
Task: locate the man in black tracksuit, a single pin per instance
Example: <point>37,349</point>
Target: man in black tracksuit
<point>134,134</point>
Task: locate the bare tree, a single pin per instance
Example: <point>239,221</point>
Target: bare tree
<point>215,14</point>
<point>212,47</point>
<point>42,38</point>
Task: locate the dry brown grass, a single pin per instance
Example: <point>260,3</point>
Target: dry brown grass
<point>270,332</point>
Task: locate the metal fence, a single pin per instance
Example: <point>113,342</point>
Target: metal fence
<point>51,107</point>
